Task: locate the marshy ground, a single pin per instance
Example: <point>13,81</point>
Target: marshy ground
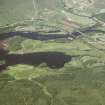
<point>54,58</point>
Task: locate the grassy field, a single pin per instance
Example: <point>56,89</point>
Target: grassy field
<point>19,10</point>
<point>81,81</point>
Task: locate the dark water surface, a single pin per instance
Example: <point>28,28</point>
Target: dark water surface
<point>38,36</point>
<point>52,59</point>
<point>31,35</point>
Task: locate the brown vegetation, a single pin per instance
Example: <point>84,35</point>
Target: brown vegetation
<point>3,45</point>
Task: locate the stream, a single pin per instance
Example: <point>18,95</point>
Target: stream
<point>52,59</point>
<point>38,36</point>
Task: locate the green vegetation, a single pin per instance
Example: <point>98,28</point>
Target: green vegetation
<point>80,81</point>
<point>20,93</point>
<point>100,16</point>
<point>26,72</point>
<point>14,43</point>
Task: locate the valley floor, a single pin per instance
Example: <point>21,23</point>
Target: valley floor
<point>79,81</point>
